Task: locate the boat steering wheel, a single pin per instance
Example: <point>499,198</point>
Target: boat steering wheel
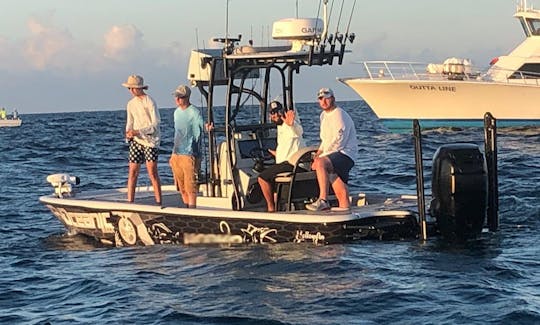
<point>260,154</point>
<point>261,157</point>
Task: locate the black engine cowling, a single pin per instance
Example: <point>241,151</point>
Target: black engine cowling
<point>459,190</point>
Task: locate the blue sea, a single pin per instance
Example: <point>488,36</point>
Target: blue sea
<point>51,277</point>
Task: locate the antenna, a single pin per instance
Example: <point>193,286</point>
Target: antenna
<point>227,22</point>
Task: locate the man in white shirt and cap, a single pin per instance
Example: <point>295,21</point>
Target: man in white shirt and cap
<point>336,154</point>
<point>289,140</point>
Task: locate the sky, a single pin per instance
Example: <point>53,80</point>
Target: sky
<point>73,55</point>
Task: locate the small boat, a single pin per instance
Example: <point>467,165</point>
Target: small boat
<point>12,120</point>
<point>230,206</point>
<point>455,90</point>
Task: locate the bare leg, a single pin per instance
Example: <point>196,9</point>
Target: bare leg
<point>193,188</point>
<point>266,189</point>
<point>342,192</point>
<point>133,174</point>
<point>185,196</point>
<point>192,200</point>
<point>151,166</point>
<point>322,167</point>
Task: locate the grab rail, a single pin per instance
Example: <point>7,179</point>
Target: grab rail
<point>403,70</point>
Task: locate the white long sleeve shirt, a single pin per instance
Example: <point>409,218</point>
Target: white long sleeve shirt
<point>338,134</point>
<point>289,140</point>
<point>143,116</point>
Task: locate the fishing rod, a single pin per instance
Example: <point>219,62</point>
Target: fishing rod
<point>348,36</point>
<point>337,35</point>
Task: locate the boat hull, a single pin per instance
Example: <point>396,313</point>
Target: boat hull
<point>447,100</point>
<point>10,122</point>
<point>127,224</point>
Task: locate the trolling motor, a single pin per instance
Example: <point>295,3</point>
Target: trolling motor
<point>62,184</point>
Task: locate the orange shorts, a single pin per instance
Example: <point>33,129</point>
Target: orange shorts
<point>184,170</point>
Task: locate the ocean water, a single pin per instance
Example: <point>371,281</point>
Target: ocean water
<point>51,277</point>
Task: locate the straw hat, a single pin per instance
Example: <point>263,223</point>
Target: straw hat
<point>135,81</point>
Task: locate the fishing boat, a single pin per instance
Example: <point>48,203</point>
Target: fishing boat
<point>230,205</point>
<point>455,90</point>
<point>12,120</point>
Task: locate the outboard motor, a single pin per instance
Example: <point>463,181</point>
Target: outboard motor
<point>459,190</point>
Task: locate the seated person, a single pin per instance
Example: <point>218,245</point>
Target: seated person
<point>337,152</point>
<point>289,140</point>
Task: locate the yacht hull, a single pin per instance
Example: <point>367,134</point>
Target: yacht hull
<point>447,100</point>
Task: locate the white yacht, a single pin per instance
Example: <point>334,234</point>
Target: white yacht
<point>455,89</point>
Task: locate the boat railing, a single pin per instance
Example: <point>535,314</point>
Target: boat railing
<point>513,76</point>
<point>403,70</point>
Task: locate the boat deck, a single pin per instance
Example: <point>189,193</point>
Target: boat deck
<point>361,203</point>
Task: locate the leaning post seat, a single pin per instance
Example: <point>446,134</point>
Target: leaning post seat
<point>300,184</point>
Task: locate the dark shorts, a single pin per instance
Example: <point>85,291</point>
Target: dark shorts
<point>342,165</point>
<point>139,154</point>
<point>270,173</point>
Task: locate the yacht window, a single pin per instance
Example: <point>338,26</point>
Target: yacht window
<point>527,71</point>
<point>534,26</point>
<point>525,27</point>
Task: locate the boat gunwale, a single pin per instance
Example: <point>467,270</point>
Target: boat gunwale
<point>298,216</point>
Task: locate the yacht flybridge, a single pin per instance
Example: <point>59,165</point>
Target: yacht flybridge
<point>455,89</point>
<point>230,206</point>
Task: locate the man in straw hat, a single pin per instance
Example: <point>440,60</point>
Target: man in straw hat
<point>143,135</point>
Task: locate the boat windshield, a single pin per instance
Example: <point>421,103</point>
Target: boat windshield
<point>531,26</point>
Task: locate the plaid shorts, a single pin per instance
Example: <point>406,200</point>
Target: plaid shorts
<point>140,154</point>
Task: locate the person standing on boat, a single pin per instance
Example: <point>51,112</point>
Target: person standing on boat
<point>336,154</point>
<point>289,141</point>
<point>143,135</point>
<point>186,153</point>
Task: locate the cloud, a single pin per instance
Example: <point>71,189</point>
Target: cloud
<point>55,49</point>
<point>122,42</point>
<point>57,63</point>
<point>47,46</point>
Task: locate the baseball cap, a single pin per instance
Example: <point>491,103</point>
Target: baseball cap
<point>325,92</point>
<point>182,91</point>
<point>276,107</point>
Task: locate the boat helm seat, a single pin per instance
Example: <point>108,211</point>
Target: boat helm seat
<point>300,185</point>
